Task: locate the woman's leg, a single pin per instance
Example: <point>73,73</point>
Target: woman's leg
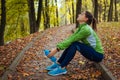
<point>85,50</point>
<point>63,56</point>
<point>88,52</point>
<point>67,56</point>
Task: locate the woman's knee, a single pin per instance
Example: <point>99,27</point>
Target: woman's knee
<point>75,43</point>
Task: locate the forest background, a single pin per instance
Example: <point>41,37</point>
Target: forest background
<point>19,18</point>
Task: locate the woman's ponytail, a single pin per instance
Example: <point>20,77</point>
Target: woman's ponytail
<point>94,24</point>
<point>90,20</point>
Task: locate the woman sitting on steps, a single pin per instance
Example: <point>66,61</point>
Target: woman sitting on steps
<point>84,40</point>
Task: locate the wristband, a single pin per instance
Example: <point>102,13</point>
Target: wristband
<point>58,49</point>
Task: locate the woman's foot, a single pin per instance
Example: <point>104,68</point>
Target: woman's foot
<point>52,67</point>
<point>57,71</point>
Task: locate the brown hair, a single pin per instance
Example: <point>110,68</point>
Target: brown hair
<point>90,20</point>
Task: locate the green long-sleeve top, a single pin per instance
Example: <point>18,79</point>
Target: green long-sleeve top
<point>84,34</point>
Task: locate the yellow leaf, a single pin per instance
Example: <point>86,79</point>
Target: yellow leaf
<point>25,74</point>
<point>114,38</point>
<point>1,67</point>
<point>36,68</point>
<point>93,75</point>
<point>44,70</point>
<point>81,62</point>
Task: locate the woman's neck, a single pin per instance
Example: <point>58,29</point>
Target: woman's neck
<point>81,22</point>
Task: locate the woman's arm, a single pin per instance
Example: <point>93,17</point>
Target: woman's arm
<point>53,52</point>
<point>81,34</point>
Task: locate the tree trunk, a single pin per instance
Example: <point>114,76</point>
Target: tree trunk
<point>116,14</point>
<point>70,15</point>
<point>47,20</point>
<point>110,13</point>
<point>3,21</point>
<point>34,23</point>
<point>32,19</point>
<point>100,10</point>
<point>104,15</point>
<point>96,9</point>
<point>73,15</point>
<point>39,15</point>
<point>22,26</point>
<point>78,10</point>
<point>86,8</point>
<point>44,17</point>
<point>57,17</point>
<point>66,12</point>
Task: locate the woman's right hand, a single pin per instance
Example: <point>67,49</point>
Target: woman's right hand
<point>52,52</point>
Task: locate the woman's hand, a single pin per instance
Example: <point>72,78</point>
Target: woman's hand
<point>52,52</point>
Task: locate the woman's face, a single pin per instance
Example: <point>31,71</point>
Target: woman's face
<point>81,17</point>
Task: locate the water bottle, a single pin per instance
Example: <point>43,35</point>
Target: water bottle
<point>52,58</point>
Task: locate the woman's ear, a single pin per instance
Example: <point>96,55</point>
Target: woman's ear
<point>86,19</point>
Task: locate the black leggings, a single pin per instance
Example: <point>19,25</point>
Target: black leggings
<point>87,51</point>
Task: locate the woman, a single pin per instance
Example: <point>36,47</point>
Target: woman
<point>85,40</point>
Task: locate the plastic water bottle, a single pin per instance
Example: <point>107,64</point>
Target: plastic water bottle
<point>53,59</point>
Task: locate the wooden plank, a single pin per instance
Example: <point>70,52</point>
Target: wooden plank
<point>106,74</point>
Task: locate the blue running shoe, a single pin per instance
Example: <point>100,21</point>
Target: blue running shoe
<point>57,71</point>
<point>52,67</point>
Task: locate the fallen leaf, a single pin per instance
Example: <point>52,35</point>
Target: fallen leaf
<point>25,74</point>
<point>2,67</point>
<point>81,62</point>
<point>9,77</point>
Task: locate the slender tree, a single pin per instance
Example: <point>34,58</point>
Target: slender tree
<point>39,13</point>
<point>3,21</point>
<point>34,23</point>
<point>32,19</point>
<point>53,11</point>
<point>116,13</point>
<point>96,9</point>
<point>100,10</point>
<point>73,13</point>
<point>47,18</point>
<point>66,7</point>
<point>104,15</point>
<point>110,13</point>
<point>70,15</point>
<point>78,10</point>
<point>69,10</point>
<point>22,25</point>
<point>57,17</point>
<point>44,17</point>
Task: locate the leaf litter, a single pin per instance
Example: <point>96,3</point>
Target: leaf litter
<point>34,61</point>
